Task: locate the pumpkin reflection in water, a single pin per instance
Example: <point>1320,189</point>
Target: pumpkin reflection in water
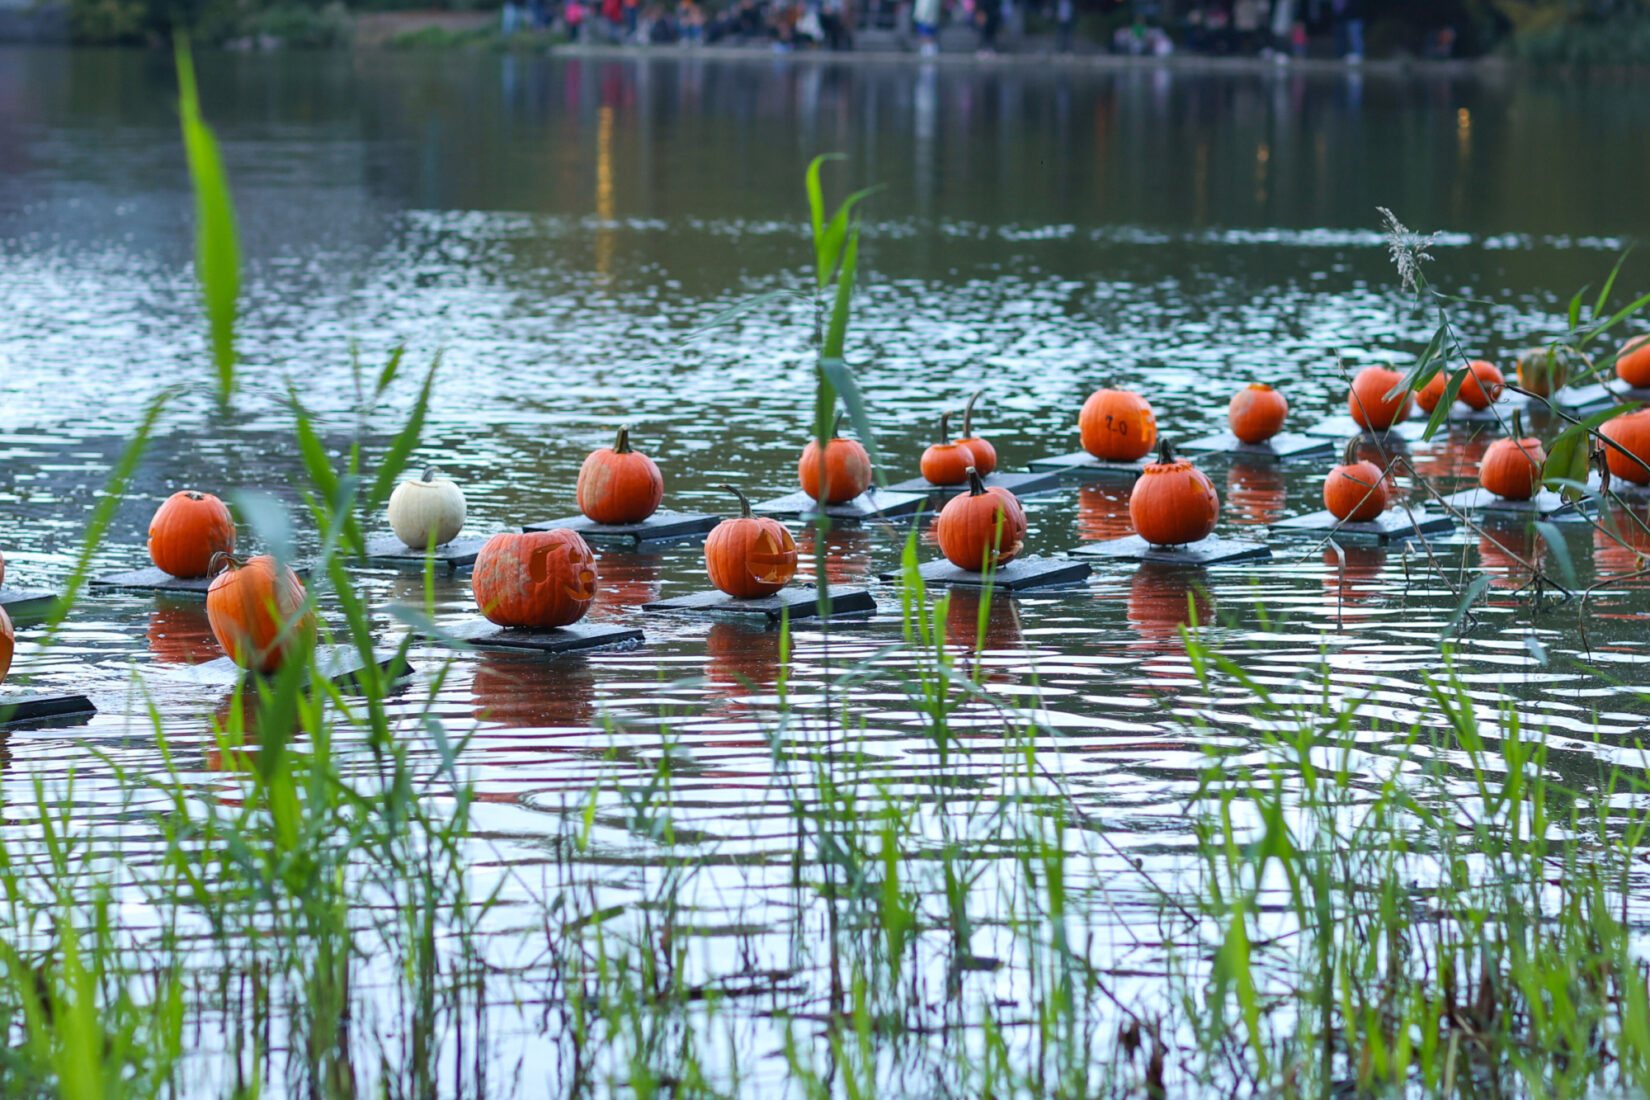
<point>627,582</point>
<point>1162,599</point>
<point>1354,581</point>
<point>524,691</point>
<point>741,659</point>
<point>1621,547</point>
<point>1452,461</point>
<point>1500,548</point>
<point>1103,513</point>
<point>962,622</point>
<point>180,634</point>
<point>1254,492</point>
<point>847,555</point>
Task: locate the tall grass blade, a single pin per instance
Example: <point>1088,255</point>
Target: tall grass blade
<point>217,247</point>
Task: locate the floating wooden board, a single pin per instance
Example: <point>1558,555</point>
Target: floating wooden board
<point>1392,525</point>
<point>1021,575</point>
<point>1210,551</point>
<point>1083,464</point>
<point>389,550</point>
<point>1280,448</point>
<point>17,710</point>
<point>797,602</point>
<point>1544,505</point>
<point>152,579</point>
<point>27,604</point>
<point>659,527</point>
<point>1344,427</point>
<point>337,663</point>
<point>872,504</point>
<point>1038,481</point>
<point>1600,393</point>
<point>566,639</point>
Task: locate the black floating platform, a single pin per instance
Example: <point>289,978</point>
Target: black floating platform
<point>1021,575</point>
<point>18,710</point>
<point>1392,525</point>
<point>659,527</point>
<point>338,664</point>
<point>873,503</point>
<point>1344,427</point>
<point>1280,448</point>
<point>1209,551</point>
<point>1083,464</point>
<point>389,550</point>
<point>1577,398</point>
<point>563,639</point>
<point>27,604</point>
<point>1038,481</point>
<point>152,579</point>
<point>798,602</point>
<point>1544,505</point>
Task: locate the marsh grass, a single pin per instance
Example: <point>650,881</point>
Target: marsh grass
<point>1348,906</point>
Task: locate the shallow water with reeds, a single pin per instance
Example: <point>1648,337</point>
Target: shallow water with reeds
<point>560,232</point>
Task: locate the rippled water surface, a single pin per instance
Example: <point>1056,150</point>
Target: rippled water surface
<point>558,230</point>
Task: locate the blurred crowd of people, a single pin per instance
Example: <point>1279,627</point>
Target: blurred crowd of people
<point>784,24</point>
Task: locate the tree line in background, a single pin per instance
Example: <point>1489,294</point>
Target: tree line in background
<point>1541,31</point>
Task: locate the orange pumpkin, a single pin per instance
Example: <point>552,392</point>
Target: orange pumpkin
<point>1256,412</point>
<point>1511,468</point>
<point>619,485</point>
<point>946,463</point>
<point>982,527</point>
<point>749,556</point>
<point>847,468</point>
<point>1482,386</point>
<point>257,613</point>
<point>1633,362</point>
<point>985,455</point>
<point>1430,394</point>
<point>1630,432</point>
<point>1174,502</point>
<point>188,530</point>
<point>1371,409</point>
<point>1356,490</point>
<point>1117,426</point>
<point>8,644</point>
<point>538,580</point>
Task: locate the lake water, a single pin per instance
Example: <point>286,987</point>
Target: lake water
<point>556,230</point>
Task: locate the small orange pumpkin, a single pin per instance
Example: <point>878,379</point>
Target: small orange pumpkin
<point>1356,490</point>
<point>1482,386</point>
<point>982,527</point>
<point>1174,502</point>
<point>946,463</point>
<point>257,613</point>
<point>749,556</point>
<point>1371,409</point>
<point>8,644</point>
<point>1633,362</point>
<point>188,530</point>
<point>1430,394</point>
<point>1511,468</point>
<point>1117,426</point>
<point>619,485</point>
<point>985,455</point>
<point>1629,432</point>
<point>1256,412</point>
<point>847,468</point>
<point>538,580</point>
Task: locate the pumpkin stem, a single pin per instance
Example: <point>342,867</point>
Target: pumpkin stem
<point>836,426</point>
<point>945,428</point>
<point>1165,452</point>
<point>1517,426</point>
<point>968,415</point>
<point>621,442</point>
<point>195,494</point>
<point>221,561</point>
<point>431,472</point>
<point>744,505</point>
<point>1349,453</point>
<point>976,487</point>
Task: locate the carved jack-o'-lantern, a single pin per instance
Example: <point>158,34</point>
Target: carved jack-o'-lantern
<point>540,579</point>
<point>749,556</point>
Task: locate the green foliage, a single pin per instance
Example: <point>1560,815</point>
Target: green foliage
<point>1619,39</point>
<point>301,26</point>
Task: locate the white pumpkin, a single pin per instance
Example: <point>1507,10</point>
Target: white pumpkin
<point>418,506</point>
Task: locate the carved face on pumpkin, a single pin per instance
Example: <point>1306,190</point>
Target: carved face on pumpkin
<point>573,562</point>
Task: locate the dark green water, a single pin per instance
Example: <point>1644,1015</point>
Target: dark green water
<point>555,229</point>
